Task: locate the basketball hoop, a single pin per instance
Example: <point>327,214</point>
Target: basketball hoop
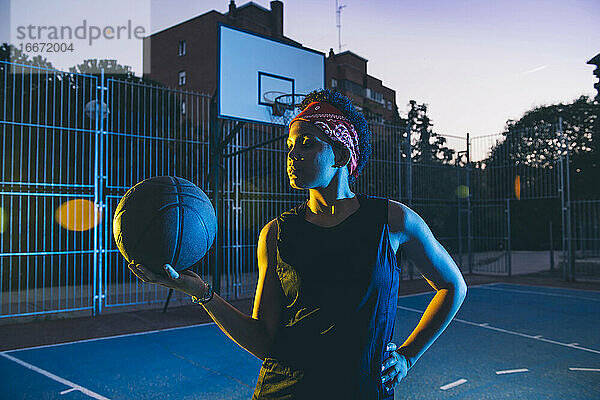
<point>286,107</point>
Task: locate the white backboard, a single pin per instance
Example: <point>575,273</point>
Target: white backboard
<point>253,70</point>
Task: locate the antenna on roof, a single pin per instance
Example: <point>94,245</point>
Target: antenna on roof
<point>338,11</point>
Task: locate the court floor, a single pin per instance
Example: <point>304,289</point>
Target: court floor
<point>507,341</point>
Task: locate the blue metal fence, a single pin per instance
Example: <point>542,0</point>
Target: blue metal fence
<point>73,144</point>
<point>151,131</point>
<point>47,147</point>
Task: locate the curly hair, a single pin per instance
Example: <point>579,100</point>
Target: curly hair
<point>344,104</point>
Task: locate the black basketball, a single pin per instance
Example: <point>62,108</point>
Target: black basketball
<point>164,220</point>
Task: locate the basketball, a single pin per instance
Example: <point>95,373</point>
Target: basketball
<point>164,220</point>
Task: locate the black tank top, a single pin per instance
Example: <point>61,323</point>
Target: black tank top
<point>341,289</point>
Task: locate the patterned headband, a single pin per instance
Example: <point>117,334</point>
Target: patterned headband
<point>335,125</point>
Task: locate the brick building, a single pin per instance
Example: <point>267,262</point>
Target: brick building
<point>347,72</point>
<point>184,56</point>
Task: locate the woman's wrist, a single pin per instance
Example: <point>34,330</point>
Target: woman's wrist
<point>403,352</point>
<point>204,295</point>
<point>202,290</point>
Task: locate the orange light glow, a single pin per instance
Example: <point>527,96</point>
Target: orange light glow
<point>78,215</point>
<point>518,187</point>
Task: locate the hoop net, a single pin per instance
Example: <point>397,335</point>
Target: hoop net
<point>285,108</point>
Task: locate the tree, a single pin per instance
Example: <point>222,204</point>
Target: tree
<point>429,148</point>
<point>111,67</point>
<point>433,174</point>
<point>533,142</point>
<point>10,53</point>
<point>531,148</point>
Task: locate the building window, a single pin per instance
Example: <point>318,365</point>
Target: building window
<point>181,78</point>
<point>333,82</point>
<point>389,105</point>
<point>182,47</point>
<point>352,87</point>
<point>183,107</point>
<point>375,96</point>
<point>378,97</point>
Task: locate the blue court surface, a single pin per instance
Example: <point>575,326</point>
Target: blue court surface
<point>506,342</point>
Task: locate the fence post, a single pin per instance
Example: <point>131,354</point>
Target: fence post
<point>581,246</point>
<point>409,166</point>
<point>508,242</point>
<point>469,208</point>
<point>99,203</point>
<point>216,159</point>
<point>95,295</point>
<point>405,165</point>
<point>401,144</point>
<point>563,207</point>
<point>570,270</point>
<point>459,211</point>
<point>551,249</point>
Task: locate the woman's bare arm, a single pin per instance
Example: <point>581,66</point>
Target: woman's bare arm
<point>439,269</point>
<point>254,333</point>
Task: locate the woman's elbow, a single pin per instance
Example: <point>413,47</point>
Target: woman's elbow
<point>459,287</point>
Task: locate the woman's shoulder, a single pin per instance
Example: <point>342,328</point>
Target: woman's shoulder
<point>288,220</point>
<point>393,211</point>
<point>378,204</point>
<point>292,212</point>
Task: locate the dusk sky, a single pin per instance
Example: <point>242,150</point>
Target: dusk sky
<point>475,63</point>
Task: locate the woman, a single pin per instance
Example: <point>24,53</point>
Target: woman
<point>327,290</point>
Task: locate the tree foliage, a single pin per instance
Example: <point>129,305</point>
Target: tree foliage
<point>536,141</point>
<point>430,146</point>
<point>10,53</point>
<point>111,68</point>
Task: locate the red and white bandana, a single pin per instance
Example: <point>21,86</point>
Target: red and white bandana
<point>335,125</point>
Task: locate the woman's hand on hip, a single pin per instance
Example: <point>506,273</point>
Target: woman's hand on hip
<point>394,368</point>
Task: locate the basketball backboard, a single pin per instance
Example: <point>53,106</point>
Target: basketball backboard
<point>254,70</point>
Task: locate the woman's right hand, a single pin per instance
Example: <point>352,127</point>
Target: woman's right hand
<point>185,281</point>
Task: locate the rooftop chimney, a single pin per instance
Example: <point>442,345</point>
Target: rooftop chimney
<point>277,18</point>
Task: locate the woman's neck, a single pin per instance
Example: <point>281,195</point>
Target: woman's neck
<point>331,205</point>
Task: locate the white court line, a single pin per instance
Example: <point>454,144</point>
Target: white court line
<point>541,293</point>
<point>584,369</point>
<point>432,291</point>
<point>416,294</point>
<point>105,337</point>
<point>166,329</point>
<point>50,375</point>
<point>453,384</point>
<point>487,284</point>
<point>546,287</point>
<point>511,371</point>
<point>487,326</point>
